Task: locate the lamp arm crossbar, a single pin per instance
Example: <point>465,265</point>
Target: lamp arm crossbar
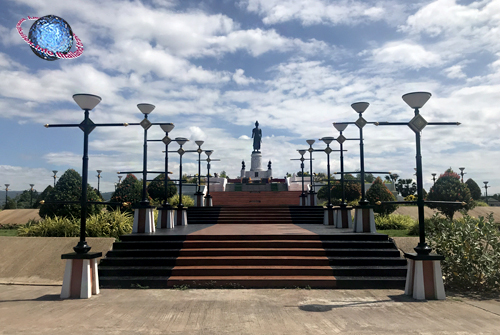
<point>127,172</point>
<point>375,172</point>
<point>386,123</point>
<point>94,125</point>
<point>456,203</point>
<point>79,202</point>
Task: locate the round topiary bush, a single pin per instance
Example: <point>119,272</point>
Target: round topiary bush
<point>128,191</point>
<point>379,192</point>
<point>69,188</point>
<point>156,189</point>
<point>449,188</point>
<point>475,191</point>
<point>352,191</point>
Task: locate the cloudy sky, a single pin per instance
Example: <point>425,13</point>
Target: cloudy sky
<point>214,67</point>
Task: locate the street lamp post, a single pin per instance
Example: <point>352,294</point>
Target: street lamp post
<point>328,217</point>
<point>6,194</point>
<point>462,173</point>
<point>86,277</point>
<point>181,213</point>
<point>54,172</point>
<point>31,195</point>
<point>199,194</point>
<point>486,191</point>
<point>422,264</point>
<point>434,178</point>
<point>208,197</point>
<point>99,181</point>
<point>165,213</point>
<point>311,190</point>
<point>303,195</point>
<point>344,218</point>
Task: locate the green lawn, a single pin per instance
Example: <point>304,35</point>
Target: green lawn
<point>395,233</point>
<point>8,232</point>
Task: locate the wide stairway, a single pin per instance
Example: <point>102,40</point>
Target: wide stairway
<point>254,215</point>
<point>256,198</point>
<point>238,254</point>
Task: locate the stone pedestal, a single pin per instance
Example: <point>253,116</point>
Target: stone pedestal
<point>144,220</point>
<point>256,171</point>
<point>81,278</point>
<point>328,218</point>
<point>181,217</point>
<point>364,220</point>
<point>343,218</point>
<point>311,198</point>
<point>424,280</point>
<point>165,218</point>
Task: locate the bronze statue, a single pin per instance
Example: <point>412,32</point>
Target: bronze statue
<point>257,137</point>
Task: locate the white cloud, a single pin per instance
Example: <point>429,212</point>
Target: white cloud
<point>240,78</point>
<point>312,12</point>
<point>455,72</point>
<point>405,54</point>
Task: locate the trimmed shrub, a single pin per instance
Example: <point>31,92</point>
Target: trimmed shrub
<point>187,201</point>
<point>475,190</point>
<point>352,191</point>
<point>105,224</point>
<point>471,248</point>
<point>481,204</point>
<point>156,189</point>
<point>69,188</point>
<point>128,191</point>
<point>393,221</point>
<point>449,188</point>
<point>379,192</point>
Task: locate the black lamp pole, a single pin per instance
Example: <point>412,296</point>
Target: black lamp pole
<point>99,181</point>
<point>311,191</point>
<point>208,196</point>
<point>166,140</point>
<point>87,102</point>
<point>462,173</point>
<point>341,139</point>
<point>303,195</point>
<point>6,194</point>
<point>199,198</point>
<point>486,190</point>
<point>181,141</point>
<point>31,195</point>
<point>416,100</point>
<point>55,172</point>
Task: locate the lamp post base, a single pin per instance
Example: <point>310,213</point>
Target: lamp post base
<point>364,220</point>
<point>181,216</point>
<point>424,280</point>
<point>198,199</point>
<point>165,218</point>
<point>328,217</point>
<point>81,278</point>
<point>208,201</point>
<point>303,199</point>
<point>343,217</point>
<point>144,220</point>
<point>311,201</point>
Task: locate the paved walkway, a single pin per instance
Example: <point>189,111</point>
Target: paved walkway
<point>38,310</point>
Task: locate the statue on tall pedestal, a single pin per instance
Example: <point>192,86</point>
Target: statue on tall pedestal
<point>257,137</point>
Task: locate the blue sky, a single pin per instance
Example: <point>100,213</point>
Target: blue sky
<point>215,67</point>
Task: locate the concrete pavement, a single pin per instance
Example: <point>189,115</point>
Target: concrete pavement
<point>38,310</point>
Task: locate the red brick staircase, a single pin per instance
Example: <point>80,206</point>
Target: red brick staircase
<point>256,198</point>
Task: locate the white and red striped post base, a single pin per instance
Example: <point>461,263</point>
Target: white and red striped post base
<point>364,220</point>
<point>343,218</point>
<point>303,199</point>
<point>208,201</point>
<point>144,220</point>
<point>199,199</point>
<point>181,217</point>
<point>424,280</point>
<point>310,199</point>
<point>81,279</point>
<point>165,218</point>
<point>328,217</point>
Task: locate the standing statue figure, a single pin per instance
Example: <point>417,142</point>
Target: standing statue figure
<point>243,165</point>
<point>269,165</point>
<point>257,137</point>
